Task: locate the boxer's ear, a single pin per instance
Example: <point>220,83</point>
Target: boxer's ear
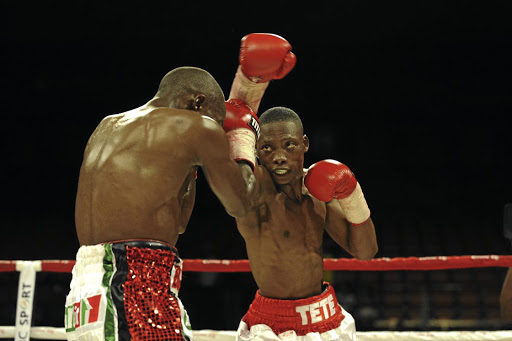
<point>305,141</point>
<point>198,102</point>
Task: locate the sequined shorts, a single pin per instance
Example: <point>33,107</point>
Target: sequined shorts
<point>126,290</point>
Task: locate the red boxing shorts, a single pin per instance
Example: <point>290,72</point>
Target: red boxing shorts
<point>318,317</point>
<point>126,290</point>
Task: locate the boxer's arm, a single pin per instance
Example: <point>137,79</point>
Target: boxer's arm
<point>263,57</point>
<point>246,90</point>
<point>360,241</point>
<point>250,225</point>
<point>187,205</point>
<point>348,219</point>
<point>232,183</point>
<point>242,129</point>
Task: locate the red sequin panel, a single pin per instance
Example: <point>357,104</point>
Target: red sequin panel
<point>152,312</point>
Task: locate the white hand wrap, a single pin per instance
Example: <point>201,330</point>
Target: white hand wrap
<point>246,90</point>
<point>242,144</point>
<point>355,207</point>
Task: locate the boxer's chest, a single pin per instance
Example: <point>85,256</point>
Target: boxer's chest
<point>291,222</point>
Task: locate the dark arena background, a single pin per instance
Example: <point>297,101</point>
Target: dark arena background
<point>415,97</point>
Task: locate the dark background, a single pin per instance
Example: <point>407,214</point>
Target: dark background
<point>415,97</point>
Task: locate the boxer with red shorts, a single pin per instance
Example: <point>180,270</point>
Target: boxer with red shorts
<point>291,209</point>
<point>270,318</point>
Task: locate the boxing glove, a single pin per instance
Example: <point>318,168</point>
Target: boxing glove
<point>265,56</point>
<point>242,129</point>
<point>330,179</point>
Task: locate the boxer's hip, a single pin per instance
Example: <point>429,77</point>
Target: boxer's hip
<point>125,288</point>
<point>318,313</point>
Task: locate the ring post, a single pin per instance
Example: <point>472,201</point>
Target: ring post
<point>26,289</point>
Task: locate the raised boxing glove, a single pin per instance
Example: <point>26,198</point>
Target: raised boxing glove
<point>242,129</point>
<point>330,179</point>
<point>265,56</point>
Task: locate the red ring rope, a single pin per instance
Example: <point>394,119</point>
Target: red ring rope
<point>377,264</point>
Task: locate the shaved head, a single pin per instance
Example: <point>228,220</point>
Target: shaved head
<point>188,80</point>
<point>281,114</point>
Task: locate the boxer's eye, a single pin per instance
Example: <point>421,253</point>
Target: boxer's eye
<point>290,145</point>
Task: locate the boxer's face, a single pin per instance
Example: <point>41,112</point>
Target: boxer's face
<point>281,149</point>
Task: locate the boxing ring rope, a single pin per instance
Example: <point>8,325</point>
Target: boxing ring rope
<point>242,265</point>
<point>28,269</point>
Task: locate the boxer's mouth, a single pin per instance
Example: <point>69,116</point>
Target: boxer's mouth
<point>280,171</point>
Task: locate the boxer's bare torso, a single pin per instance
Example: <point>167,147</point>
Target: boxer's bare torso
<point>137,179</point>
<point>283,235</point>
<point>284,229</point>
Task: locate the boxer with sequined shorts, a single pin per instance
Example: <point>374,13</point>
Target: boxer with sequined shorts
<point>137,183</point>
<point>130,285</point>
<point>291,209</point>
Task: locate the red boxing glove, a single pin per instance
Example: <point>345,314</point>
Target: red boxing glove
<point>265,56</point>
<point>330,179</point>
<point>242,129</point>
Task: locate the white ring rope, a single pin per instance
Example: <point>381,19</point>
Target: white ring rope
<point>26,288</point>
<point>53,333</point>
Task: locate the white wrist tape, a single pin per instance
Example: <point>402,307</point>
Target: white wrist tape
<point>355,207</point>
<point>242,144</point>
<point>246,90</point>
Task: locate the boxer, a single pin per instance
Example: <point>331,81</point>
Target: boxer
<point>291,209</point>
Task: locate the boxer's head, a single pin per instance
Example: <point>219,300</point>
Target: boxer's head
<point>194,89</point>
<point>282,144</point>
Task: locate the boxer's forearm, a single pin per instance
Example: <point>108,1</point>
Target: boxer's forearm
<point>248,91</point>
<point>363,240</point>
